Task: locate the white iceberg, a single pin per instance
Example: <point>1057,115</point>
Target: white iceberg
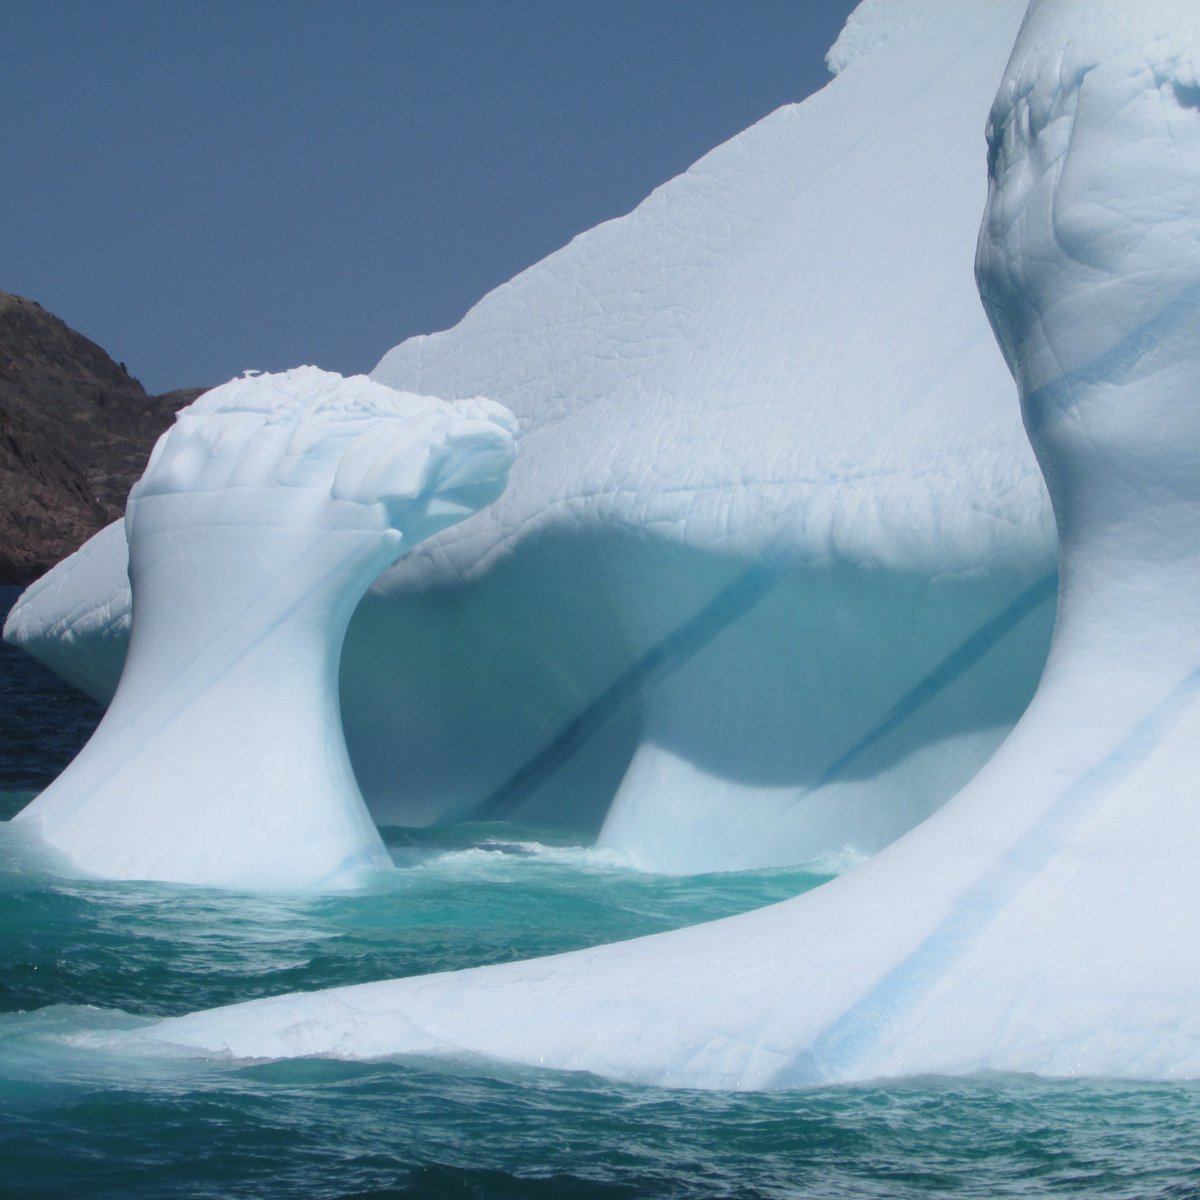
<point>1043,920</point>
<point>774,571</point>
<point>264,514</point>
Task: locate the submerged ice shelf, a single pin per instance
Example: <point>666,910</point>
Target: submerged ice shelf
<point>1044,919</point>
<point>264,514</point>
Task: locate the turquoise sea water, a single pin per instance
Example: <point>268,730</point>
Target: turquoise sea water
<point>78,956</point>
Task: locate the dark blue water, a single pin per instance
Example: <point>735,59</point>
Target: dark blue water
<point>76,956</point>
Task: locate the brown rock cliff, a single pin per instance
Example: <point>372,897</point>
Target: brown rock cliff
<point>75,432</point>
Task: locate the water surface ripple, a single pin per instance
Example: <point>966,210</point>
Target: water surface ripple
<point>79,956</point>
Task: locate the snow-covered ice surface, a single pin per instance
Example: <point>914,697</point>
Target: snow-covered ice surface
<point>1044,920</point>
<point>264,514</point>
<point>774,570</point>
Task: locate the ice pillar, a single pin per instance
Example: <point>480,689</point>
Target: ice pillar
<point>264,514</point>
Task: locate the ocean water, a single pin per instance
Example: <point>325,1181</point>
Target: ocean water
<point>79,956</point>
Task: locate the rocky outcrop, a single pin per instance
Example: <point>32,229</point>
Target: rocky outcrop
<point>75,431</point>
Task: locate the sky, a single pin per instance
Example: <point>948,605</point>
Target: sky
<point>208,186</point>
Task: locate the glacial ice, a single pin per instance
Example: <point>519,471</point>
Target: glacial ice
<point>774,572</point>
<point>1044,919</point>
<point>264,514</point>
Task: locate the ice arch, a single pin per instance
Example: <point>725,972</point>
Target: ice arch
<point>774,570</point>
<point>1044,919</point>
<point>264,514</point>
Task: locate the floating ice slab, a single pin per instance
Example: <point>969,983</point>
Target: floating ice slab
<point>774,571</point>
<point>1043,920</point>
<point>264,514</point>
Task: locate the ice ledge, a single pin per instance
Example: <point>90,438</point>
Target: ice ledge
<point>869,28</point>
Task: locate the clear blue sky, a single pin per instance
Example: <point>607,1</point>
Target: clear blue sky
<point>204,186</point>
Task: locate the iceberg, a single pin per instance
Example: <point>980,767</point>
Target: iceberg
<point>774,572</point>
<point>265,512</point>
<point>1043,920</point>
